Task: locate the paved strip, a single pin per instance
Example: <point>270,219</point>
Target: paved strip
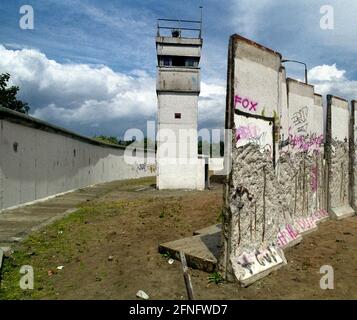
<point>17,224</point>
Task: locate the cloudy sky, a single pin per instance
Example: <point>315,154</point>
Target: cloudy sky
<point>90,66</point>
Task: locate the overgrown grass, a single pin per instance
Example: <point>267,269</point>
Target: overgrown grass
<point>70,240</point>
<point>215,277</point>
<point>54,245</point>
<point>171,209</point>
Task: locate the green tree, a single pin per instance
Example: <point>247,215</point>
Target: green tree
<point>114,140</point>
<point>106,139</point>
<point>8,96</point>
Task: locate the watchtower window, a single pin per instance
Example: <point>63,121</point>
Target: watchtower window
<point>177,61</point>
<point>166,61</point>
<point>177,115</point>
<point>191,62</point>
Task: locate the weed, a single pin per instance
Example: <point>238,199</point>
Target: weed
<point>162,214</point>
<point>220,216</point>
<point>215,277</point>
<point>166,255</point>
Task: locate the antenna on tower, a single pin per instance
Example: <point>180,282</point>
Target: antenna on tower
<point>201,8</point>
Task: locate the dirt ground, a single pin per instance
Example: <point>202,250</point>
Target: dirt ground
<point>109,250</point>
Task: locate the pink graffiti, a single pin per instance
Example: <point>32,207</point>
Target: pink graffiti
<point>306,142</point>
<point>314,183</point>
<point>246,132</point>
<point>246,103</point>
<point>320,215</point>
<point>305,224</point>
<point>286,235</point>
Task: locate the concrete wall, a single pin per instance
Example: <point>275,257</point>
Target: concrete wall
<point>305,143</point>
<point>253,213</point>
<point>301,165</point>
<point>283,110</point>
<point>38,160</point>
<point>353,155</point>
<point>258,71</point>
<point>338,123</point>
<point>281,180</point>
<point>320,174</point>
<point>318,116</point>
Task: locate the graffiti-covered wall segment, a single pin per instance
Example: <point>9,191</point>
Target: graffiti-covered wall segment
<point>353,155</point>
<point>276,190</point>
<point>304,155</point>
<point>253,213</point>
<point>338,157</point>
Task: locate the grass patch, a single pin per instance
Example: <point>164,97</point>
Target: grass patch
<point>167,255</point>
<point>215,277</point>
<point>55,245</point>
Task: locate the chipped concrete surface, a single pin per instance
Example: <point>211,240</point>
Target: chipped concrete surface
<point>339,178</point>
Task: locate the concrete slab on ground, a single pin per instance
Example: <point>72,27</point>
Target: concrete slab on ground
<point>209,230</point>
<point>342,212</point>
<point>201,251</point>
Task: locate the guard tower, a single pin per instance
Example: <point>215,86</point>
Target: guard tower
<point>178,46</point>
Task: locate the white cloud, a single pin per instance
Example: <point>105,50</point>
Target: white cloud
<point>212,103</point>
<point>91,96</point>
<point>328,79</point>
<point>326,73</point>
<point>77,92</point>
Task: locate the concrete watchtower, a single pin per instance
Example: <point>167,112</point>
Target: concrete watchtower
<point>178,46</point>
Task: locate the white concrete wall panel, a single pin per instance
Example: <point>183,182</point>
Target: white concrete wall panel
<point>284,111</point>
<point>306,152</point>
<point>354,158</point>
<point>339,178</point>
<point>256,80</point>
<point>36,164</point>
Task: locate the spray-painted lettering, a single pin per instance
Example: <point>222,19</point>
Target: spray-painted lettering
<point>259,261</point>
<point>300,120</point>
<point>287,235</point>
<point>319,215</point>
<point>145,167</point>
<point>246,103</point>
<point>247,132</point>
<point>309,142</point>
<point>305,224</point>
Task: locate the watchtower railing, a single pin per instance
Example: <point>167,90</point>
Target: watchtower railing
<point>179,28</point>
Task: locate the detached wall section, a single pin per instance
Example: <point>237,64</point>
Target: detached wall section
<point>306,155</point>
<point>318,133</point>
<point>353,155</point>
<point>338,157</point>
<point>38,160</point>
<point>253,212</point>
<point>287,170</point>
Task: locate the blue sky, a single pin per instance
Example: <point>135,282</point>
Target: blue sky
<point>90,66</point>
